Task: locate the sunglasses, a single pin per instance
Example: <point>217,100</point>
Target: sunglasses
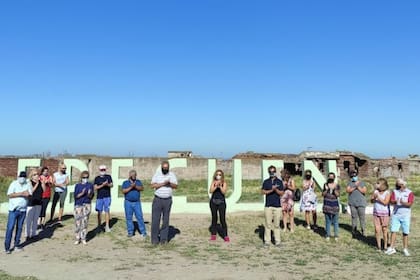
<point>85,177</point>
<point>102,169</point>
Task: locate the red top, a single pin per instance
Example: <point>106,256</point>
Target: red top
<point>48,180</point>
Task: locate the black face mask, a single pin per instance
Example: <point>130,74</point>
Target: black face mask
<point>272,174</point>
<point>397,187</point>
<point>330,180</point>
<point>165,171</point>
<point>308,177</point>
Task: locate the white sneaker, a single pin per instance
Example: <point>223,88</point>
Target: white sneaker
<point>390,251</point>
<point>77,242</point>
<point>327,238</point>
<point>18,249</point>
<point>406,253</point>
<point>107,229</point>
<point>336,239</point>
<point>84,242</point>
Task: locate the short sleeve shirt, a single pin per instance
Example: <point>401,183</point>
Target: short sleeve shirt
<point>272,199</point>
<point>134,194</point>
<point>356,198</point>
<point>104,191</point>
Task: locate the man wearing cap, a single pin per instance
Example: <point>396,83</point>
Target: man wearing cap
<point>103,185</point>
<point>164,181</point>
<point>402,198</point>
<point>357,202</point>
<point>18,193</point>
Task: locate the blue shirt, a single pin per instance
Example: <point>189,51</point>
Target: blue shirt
<point>87,197</point>
<point>272,199</point>
<point>104,191</point>
<point>134,194</point>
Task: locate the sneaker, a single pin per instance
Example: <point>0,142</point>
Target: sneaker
<point>227,239</point>
<point>278,245</point>
<point>308,227</point>
<point>18,249</point>
<point>213,237</point>
<point>130,235</point>
<point>406,253</point>
<point>327,238</point>
<point>77,242</point>
<point>336,239</point>
<point>390,251</point>
<point>107,229</point>
<point>8,252</point>
<point>266,245</point>
<point>84,242</point>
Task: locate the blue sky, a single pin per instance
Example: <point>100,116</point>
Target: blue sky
<point>216,77</point>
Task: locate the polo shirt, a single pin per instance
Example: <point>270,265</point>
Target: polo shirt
<point>272,199</point>
<point>134,194</point>
<point>18,203</point>
<point>159,178</point>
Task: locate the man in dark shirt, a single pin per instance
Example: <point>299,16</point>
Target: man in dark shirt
<point>273,189</point>
<point>103,185</point>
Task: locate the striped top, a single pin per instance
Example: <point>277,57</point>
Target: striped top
<point>379,209</point>
<point>331,205</point>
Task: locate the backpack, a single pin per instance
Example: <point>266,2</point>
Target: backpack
<point>296,195</point>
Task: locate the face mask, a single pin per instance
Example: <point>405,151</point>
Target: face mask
<point>22,180</point>
<point>330,180</point>
<point>165,171</point>
<point>84,180</point>
<point>398,187</point>
<point>63,171</point>
<point>308,177</point>
<point>355,179</point>
<point>102,173</point>
<point>272,174</point>
<point>218,177</point>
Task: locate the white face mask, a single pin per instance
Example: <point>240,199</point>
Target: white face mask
<point>22,180</point>
<point>84,180</point>
<point>102,173</point>
<point>218,177</point>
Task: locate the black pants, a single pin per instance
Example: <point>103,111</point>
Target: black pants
<point>44,205</point>
<point>221,208</point>
<point>161,209</point>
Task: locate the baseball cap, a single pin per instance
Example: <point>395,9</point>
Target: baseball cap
<point>102,167</point>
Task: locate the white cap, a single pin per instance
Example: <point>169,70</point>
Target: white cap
<point>102,166</point>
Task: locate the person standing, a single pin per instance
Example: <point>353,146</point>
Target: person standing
<point>18,194</point>
<point>34,205</point>
<point>103,184</point>
<point>403,199</point>
<point>331,207</point>
<point>357,202</point>
<point>83,194</point>
<point>273,189</point>
<point>60,181</point>
<point>309,200</point>
<point>218,190</point>
<point>163,182</point>
<point>287,202</point>
<point>46,183</point>
<point>131,189</point>
<point>381,212</point>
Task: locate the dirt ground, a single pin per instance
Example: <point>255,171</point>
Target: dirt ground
<point>189,255</point>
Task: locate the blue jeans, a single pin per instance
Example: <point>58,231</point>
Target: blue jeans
<point>130,209</point>
<point>15,217</point>
<point>331,218</point>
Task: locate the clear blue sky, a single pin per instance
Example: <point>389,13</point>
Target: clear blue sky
<point>217,77</point>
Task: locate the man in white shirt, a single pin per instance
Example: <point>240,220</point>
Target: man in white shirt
<point>163,182</point>
<point>18,193</point>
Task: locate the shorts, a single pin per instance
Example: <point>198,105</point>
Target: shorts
<point>403,222</point>
<point>103,204</point>
<point>381,221</point>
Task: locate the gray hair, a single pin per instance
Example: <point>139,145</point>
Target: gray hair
<point>132,171</point>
